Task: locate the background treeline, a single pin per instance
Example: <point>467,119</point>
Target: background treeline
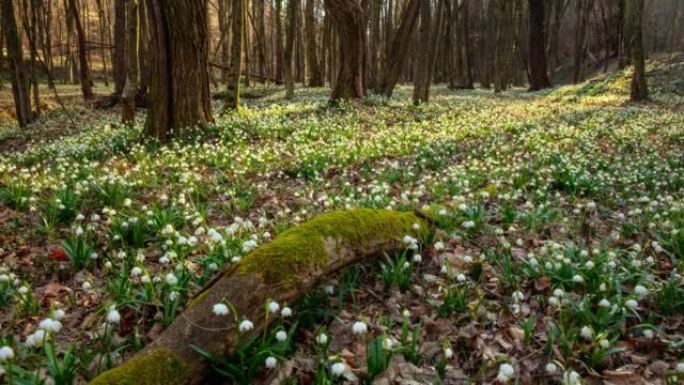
<point>355,46</point>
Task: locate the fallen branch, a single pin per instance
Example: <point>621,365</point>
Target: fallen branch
<point>283,271</point>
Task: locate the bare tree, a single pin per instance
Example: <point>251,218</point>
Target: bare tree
<point>639,89</point>
<point>132,43</point>
<point>179,92</point>
<point>22,101</point>
<point>347,16</point>
<point>539,77</point>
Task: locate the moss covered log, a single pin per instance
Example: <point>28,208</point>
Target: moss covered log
<point>282,270</point>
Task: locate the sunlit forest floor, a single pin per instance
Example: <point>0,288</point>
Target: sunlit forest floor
<point>558,254</point>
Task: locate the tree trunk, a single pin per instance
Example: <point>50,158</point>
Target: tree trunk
<point>103,42</point>
<point>347,16</point>
<point>84,68</point>
<point>179,93</point>
<point>278,15</point>
<point>132,42</point>
<point>639,89</point>
<point>374,44</point>
<point>488,49</point>
<point>335,240</point>
<point>119,46</point>
<point>239,27</point>
<point>224,40</point>
<point>395,62</point>
<point>467,45</point>
<point>502,61</point>
<point>20,91</point>
<point>421,77</point>
<point>583,10</point>
<point>559,8</point>
<point>315,75</point>
<point>539,78</point>
<point>292,9</point>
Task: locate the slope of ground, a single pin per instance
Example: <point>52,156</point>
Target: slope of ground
<point>558,253</point>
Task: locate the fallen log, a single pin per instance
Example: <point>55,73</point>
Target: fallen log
<point>283,271</point>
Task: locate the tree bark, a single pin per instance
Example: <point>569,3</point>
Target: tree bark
<point>132,43</point>
<point>583,10</point>
<point>467,45</point>
<point>539,78</point>
<point>20,92</point>
<point>237,48</point>
<point>179,93</point>
<point>278,15</point>
<point>269,273</point>
<point>347,17</point>
<point>315,75</point>
<point>504,49</point>
<point>292,9</point>
<point>639,91</point>
<point>84,68</point>
<point>396,59</point>
<point>119,46</point>
<point>421,77</point>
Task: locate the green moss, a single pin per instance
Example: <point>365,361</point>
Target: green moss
<point>303,248</point>
<point>155,367</point>
<point>197,299</point>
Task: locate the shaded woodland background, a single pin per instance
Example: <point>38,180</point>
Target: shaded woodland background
<point>355,46</point>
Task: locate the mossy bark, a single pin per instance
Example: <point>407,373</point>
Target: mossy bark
<point>283,271</point>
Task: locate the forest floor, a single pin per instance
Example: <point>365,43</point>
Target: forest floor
<point>557,259</point>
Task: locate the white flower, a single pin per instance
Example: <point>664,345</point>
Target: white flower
<point>113,317</point>
<point>468,224</point>
<point>36,339</point>
<point>417,258</point>
<point>631,304</point>
<point>680,367</point>
<point>136,271</point>
<point>86,285</point>
<point>577,278</point>
<point>220,309</point>
<point>551,368</point>
<point>286,312</point>
<point>518,295</point>
<point>604,303</point>
<point>359,328</point>
<point>586,333</point>
<point>6,353</point>
<point>50,325</point>
<point>640,291</point>
<point>273,307</point>
<point>338,368</point>
<point>553,301</point>
<point>281,336</point>
<point>448,353</point>
<point>648,334</point>
<point>271,362</point>
<point>58,314</point>
<point>246,325</point>
<point>322,339</point>
<point>460,277</point>
<point>439,245</point>
<point>604,343</point>
<point>571,378</point>
<point>171,279</point>
<point>387,344</point>
<point>506,371</point>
